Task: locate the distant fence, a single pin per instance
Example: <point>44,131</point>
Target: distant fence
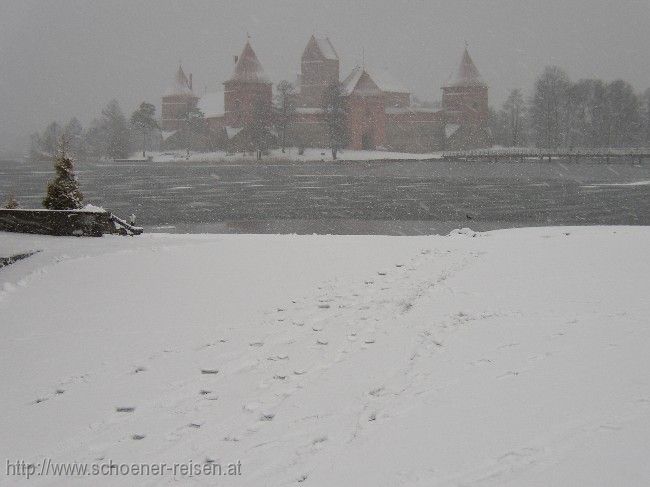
<point>534,153</point>
<point>65,222</point>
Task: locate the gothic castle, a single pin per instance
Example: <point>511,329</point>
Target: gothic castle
<point>379,112</point>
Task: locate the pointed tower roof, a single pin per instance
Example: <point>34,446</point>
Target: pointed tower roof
<point>181,84</point>
<point>467,74</point>
<point>323,46</point>
<point>248,68</point>
<point>378,78</point>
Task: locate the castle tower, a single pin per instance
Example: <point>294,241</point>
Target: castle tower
<point>465,99</point>
<point>247,85</point>
<point>319,67</point>
<point>177,101</point>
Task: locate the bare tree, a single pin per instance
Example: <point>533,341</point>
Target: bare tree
<point>548,107</point>
<point>514,109</point>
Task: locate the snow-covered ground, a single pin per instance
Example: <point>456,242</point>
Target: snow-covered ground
<point>291,155</point>
<point>508,358</point>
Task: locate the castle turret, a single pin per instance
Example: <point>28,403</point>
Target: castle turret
<point>247,86</point>
<point>465,98</point>
<point>319,67</point>
<point>177,101</point>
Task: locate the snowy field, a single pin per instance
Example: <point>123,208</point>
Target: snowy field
<point>507,358</point>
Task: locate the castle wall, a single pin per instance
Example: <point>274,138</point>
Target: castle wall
<point>316,75</point>
<point>414,132</point>
<point>466,104</point>
<point>174,111</point>
<point>240,98</point>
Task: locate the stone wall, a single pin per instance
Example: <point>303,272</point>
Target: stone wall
<point>57,222</point>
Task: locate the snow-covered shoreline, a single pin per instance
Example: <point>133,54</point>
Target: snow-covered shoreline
<point>290,155</point>
<point>512,357</point>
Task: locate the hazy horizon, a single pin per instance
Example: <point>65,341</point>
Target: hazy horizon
<point>69,58</point>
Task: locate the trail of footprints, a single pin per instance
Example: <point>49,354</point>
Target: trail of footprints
<point>315,318</point>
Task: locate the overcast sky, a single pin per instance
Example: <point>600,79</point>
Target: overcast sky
<point>60,58</point>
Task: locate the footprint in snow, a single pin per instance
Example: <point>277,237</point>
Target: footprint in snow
<point>324,306</point>
<point>321,341</point>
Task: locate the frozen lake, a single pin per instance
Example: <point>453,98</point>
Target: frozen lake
<point>409,197</point>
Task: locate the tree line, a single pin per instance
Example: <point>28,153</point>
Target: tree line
<point>110,135</point>
<point>560,113</point>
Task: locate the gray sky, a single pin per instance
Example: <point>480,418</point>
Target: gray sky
<point>60,58</point>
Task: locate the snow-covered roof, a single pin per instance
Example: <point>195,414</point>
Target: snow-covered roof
<point>467,74</point>
<point>212,104</point>
<point>233,131</point>
<point>248,68</point>
<point>350,83</point>
<point>181,84</point>
<point>451,129</point>
<point>324,46</point>
<point>380,78</point>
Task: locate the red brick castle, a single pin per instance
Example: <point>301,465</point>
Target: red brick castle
<point>379,111</point>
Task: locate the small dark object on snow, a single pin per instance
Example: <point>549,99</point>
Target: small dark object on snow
<point>209,371</point>
<point>469,217</point>
<point>138,437</point>
<point>127,409</point>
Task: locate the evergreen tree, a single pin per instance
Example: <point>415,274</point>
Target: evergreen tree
<point>115,131</point>
<point>333,106</point>
<point>63,191</point>
<point>143,121</point>
<point>195,126</point>
<point>286,93</point>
